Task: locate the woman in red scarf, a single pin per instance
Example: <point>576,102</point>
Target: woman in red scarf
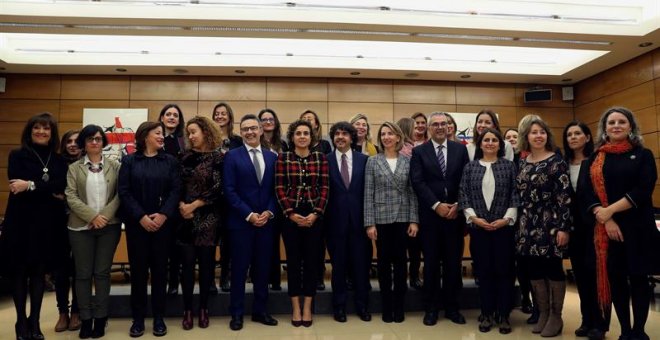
<point>618,198</point>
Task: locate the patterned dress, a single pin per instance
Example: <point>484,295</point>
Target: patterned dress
<point>545,197</point>
<point>201,175</point>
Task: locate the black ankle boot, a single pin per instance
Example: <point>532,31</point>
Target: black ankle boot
<point>99,327</point>
<point>35,329</point>
<point>22,332</point>
<point>85,329</point>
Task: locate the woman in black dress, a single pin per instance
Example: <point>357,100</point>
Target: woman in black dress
<point>617,196</point>
<point>37,178</point>
<point>201,177</point>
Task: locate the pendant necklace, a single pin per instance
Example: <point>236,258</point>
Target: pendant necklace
<point>45,177</point>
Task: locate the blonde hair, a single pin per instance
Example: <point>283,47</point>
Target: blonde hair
<point>397,131</point>
<point>359,116</point>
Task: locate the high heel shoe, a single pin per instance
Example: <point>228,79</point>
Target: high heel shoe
<point>203,318</point>
<point>22,332</point>
<point>296,323</point>
<point>35,330</point>
<point>187,322</point>
<point>307,323</point>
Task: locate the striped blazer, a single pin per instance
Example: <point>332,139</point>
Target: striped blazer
<point>506,194</point>
<point>388,197</point>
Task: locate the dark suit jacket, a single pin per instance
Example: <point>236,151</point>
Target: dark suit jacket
<point>242,190</point>
<point>345,206</point>
<point>427,179</point>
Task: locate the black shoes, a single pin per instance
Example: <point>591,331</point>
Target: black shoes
<point>582,331</point>
<point>21,329</point>
<point>173,291</point>
<point>213,290</point>
<point>526,306</point>
<point>430,318</point>
<point>596,334</point>
<point>340,315</point>
<point>159,327</point>
<point>320,285</point>
<point>264,319</point>
<point>534,318</point>
<point>35,330</point>
<point>505,325</point>
<point>86,329</point>
<point>99,327</point>
<point>486,323</point>
<point>236,323</point>
<point>364,315</point>
<point>225,285</point>
<point>455,317</point>
<point>137,329</point>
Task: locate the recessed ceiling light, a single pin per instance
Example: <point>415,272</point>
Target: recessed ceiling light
<point>567,79</point>
<point>466,76</point>
<point>355,73</point>
<point>412,75</point>
<point>120,69</point>
<point>180,70</point>
<point>645,44</point>
<point>239,71</point>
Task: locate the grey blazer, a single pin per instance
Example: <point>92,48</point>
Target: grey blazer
<point>76,193</point>
<point>388,197</point>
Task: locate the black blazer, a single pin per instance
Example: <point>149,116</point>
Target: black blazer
<point>345,206</point>
<point>427,179</point>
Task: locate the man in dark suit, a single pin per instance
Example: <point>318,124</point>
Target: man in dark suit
<point>249,184</point>
<point>346,236</point>
<point>435,171</point>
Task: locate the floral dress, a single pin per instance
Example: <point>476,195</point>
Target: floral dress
<point>545,196</point>
<point>201,175</point>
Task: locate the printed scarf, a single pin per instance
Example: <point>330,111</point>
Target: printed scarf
<point>601,240</point>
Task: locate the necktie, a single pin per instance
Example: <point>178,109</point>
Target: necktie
<point>344,171</point>
<point>441,160</point>
<point>255,162</point>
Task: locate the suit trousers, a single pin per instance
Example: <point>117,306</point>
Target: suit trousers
<point>147,254</point>
<point>493,255</point>
<point>93,251</point>
<point>251,247</point>
<point>392,272</point>
<point>442,245</point>
<point>348,256</point>
<point>302,257</point>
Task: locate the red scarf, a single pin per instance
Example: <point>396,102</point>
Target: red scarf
<point>601,240</point>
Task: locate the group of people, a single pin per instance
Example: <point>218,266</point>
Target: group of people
<point>194,184</point>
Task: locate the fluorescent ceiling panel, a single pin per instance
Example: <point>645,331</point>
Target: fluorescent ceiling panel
<point>47,49</point>
<point>616,17</point>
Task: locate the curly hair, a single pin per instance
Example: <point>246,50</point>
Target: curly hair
<point>344,126</point>
<point>210,130</point>
<point>292,129</point>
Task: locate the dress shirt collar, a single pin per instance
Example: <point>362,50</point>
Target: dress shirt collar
<point>435,145</point>
<point>249,148</point>
<point>87,161</point>
<point>349,155</point>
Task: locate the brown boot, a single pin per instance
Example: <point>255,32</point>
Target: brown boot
<point>555,323</point>
<point>74,323</point>
<point>62,322</point>
<point>541,293</point>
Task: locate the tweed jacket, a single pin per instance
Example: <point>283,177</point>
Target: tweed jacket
<point>76,193</point>
<point>302,181</point>
<point>388,197</point>
<point>471,191</point>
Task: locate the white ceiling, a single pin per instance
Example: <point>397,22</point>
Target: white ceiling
<point>546,41</point>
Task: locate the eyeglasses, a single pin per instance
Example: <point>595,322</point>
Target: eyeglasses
<point>250,128</point>
<point>268,120</point>
<point>437,125</point>
<point>94,139</point>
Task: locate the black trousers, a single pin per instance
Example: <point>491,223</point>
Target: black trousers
<point>65,274</point>
<point>442,244</point>
<point>493,255</point>
<point>275,275</point>
<point>302,257</point>
<point>625,288</point>
<point>414,256</point>
<point>147,256</point>
<point>348,258</point>
<point>581,252</point>
<point>205,257</point>
<point>392,272</point>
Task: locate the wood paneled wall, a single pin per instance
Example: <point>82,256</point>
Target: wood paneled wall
<point>635,85</point>
<point>333,99</point>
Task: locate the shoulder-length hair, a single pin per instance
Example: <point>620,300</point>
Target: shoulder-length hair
<point>45,119</point>
<point>210,130</point>
<point>276,140</point>
<point>359,116</point>
<point>292,130</point>
<point>569,154</point>
<point>522,138</point>
<point>421,114</point>
<point>319,129</point>
<point>407,126</point>
<point>142,133</point>
<point>479,152</point>
<point>65,138</point>
<point>230,114</point>
<point>178,132</point>
<point>635,136</point>
<point>397,131</point>
<point>493,118</point>
<point>89,131</point>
